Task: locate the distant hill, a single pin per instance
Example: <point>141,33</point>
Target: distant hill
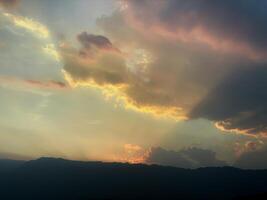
<point>49,178</point>
<point>9,165</point>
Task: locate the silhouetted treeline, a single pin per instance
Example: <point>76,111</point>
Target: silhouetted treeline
<point>48,178</point>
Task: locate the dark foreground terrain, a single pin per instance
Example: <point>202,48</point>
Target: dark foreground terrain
<point>48,178</point>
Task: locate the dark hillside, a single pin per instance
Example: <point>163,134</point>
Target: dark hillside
<point>48,178</point>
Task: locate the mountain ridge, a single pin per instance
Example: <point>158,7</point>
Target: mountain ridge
<point>57,178</point>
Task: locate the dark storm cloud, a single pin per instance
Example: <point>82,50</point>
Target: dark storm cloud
<point>238,102</point>
<point>187,158</point>
<point>238,22</point>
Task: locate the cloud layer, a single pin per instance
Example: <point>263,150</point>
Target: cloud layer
<point>187,158</point>
<point>253,160</point>
<point>180,59</point>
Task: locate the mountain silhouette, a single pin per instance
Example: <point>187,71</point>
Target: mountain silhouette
<point>52,178</point>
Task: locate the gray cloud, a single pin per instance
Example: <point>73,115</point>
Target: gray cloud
<point>253,160</point>
<point>187,158</point>
<point>89,40</point>
<point>236,21</point>
<point>239,102</point>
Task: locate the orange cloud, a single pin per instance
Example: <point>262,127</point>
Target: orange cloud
<point>132,153</point>
<point>248,146</point>
<point>131,148</point>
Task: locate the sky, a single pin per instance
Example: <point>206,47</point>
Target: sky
<point>174,82</point>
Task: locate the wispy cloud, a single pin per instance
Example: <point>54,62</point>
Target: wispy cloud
<point>30,25</point>
<point>31,85</point>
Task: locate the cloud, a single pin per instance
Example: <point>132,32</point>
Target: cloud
<point>94,62</point>
<point>47,84</point>
<point>126,74</point>
<point>8,3</point>
<point>28,84</point>
<point>238,103</point>
<point>212,23</point>
<point>255,159</point>
<point>30,25</point>
<point>88,41</point>
<point>187,158</point>
<point>180,60</point>
<point>130,148</point>
<point>131,153</point>
<point>248,146</point>
<point>51,50</point>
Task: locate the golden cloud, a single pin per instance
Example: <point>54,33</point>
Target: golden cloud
<point>30,25</point>
<point>39,30</point>
<point>51,50</point>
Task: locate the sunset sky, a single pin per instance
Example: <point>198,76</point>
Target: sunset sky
<point>174,82</point>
